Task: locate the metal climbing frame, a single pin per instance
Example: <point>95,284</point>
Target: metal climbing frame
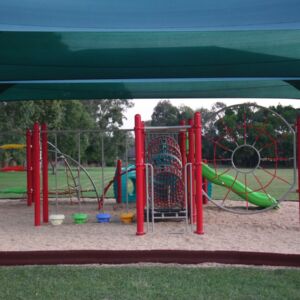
<point>165,187</point>
<point>80,182</point>
<point>249,189</point>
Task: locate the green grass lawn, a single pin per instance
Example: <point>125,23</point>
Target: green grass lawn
<point>276,188</point>
<point>18,179</point>
<point>167,282</point>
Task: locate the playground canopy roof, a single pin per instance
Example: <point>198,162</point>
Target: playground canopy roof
<point>70,49</point>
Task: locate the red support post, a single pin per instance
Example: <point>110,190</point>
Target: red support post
<point>119,180</point>
<point>32,166</point>
<point>198,172</point>
<point>191,159</point>
<point>29,166</point>
<point>36,178</point>
<point>139,162</point>
<point>45,173</point>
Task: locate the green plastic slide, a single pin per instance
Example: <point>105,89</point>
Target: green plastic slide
<point>257,198</point>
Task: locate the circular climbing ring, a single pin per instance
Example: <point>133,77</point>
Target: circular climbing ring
<point>250,158</point>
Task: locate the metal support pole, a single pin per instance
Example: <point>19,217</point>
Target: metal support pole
<point>36,166</point>
<point>144,159</point>
<point>45,173</point>
<point>198,172</point>
<point>182,145</point>
<point>191,159</point>
<point>29,166</point>
<point>56,174</point>
<point>205,187</point>
<point>139,161</point>
<point>32,166</point>
<point>298,158</point>
<point>102,171</point>
<point>119,181</point>
<point>126,163</point>
<point>78,183</point>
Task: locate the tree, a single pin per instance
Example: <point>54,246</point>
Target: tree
<point>185,112</point>
<point>165,114</point>
<point>108,116</point>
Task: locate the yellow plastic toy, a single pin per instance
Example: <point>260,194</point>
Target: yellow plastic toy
<point>13,146</point>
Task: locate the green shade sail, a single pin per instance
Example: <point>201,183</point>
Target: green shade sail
<point>149,49</point>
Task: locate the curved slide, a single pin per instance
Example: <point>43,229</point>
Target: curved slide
<point>257,198</point>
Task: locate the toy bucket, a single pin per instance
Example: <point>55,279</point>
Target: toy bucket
<point>127,218</point>
<point>103,218</point>
<point>56,219</point>
<point>80,218</point>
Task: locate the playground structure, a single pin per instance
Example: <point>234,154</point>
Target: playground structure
<point>170,176</point>
<point>246,151</point>
<point>172,184</point>
<point>9,150</point>
<point>75,176</point>
<point>8,168</point>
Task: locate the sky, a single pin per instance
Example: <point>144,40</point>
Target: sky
<point>144,107</point>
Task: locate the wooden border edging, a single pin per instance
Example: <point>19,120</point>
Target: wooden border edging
<point>14,258</point>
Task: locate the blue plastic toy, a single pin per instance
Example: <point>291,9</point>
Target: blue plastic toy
<point>131,178</point>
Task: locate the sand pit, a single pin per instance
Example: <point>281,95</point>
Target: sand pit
<point>275,231</point>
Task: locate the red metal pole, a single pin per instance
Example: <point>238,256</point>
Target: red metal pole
<point>45,173</point>
<point>32,167</point>
<point>119,180</point>
<point>205,186</point>
<point>29,167</point>
<point>298,158</point>
<point>191,159</point>
<point>36,179</point>
<point>198,172</point>
<point>139,161</point>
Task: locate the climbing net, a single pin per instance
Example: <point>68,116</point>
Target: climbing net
<point>251,151</point>
<point>163,153</point>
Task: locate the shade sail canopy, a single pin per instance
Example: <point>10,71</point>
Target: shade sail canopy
<point>149,49</point>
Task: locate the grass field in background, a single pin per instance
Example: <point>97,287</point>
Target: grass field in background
<point>18,180</point>
<point>160,282</point>
<point>276,187</point>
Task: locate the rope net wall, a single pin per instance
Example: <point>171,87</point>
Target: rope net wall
<point>163,152</point>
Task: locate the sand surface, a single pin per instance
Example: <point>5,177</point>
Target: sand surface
<point>274,231</point>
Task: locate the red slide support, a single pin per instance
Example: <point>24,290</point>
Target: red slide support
<point>29,166</point>
<point>139,158</point>
<point>45,173</point>
<point>119,181</point>
<point>36,177</point>
<point>198,173</point>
